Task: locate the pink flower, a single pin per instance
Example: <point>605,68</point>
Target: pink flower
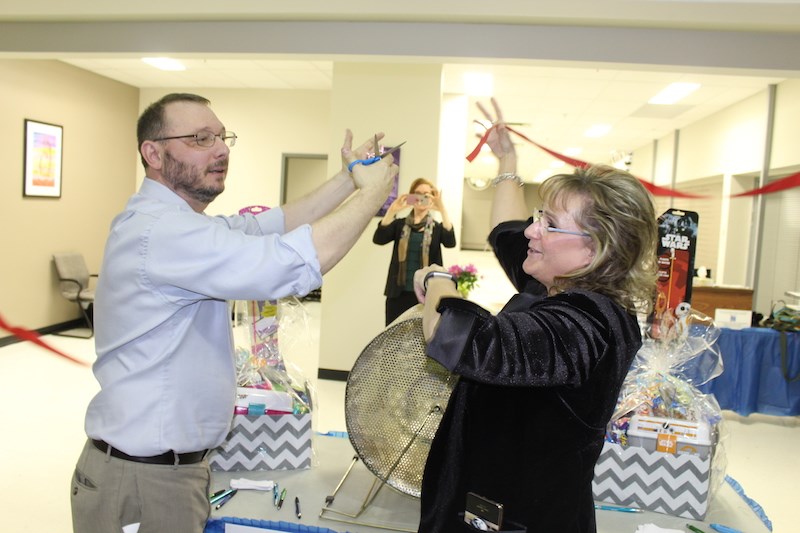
<point>466,277</point>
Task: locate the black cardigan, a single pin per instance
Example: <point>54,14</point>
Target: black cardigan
<point>538,384</point>
<point>386,234</point>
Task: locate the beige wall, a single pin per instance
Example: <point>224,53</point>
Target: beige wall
<point>786,142</point>
<point>728,142</point>
<point>99,117</point>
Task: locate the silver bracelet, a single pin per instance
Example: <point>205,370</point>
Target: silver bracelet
<point>438,274</point>
<point>507,176</point>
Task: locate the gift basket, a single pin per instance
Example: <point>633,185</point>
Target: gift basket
<point>664,448</point>
<point>272,419</point>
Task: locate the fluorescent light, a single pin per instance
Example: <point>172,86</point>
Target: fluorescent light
<point>597,130</point>
<point>674,92</point>
<point>164,63</point>
<point>478,83</point>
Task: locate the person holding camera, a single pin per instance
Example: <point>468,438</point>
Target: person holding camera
<point>418,240</point>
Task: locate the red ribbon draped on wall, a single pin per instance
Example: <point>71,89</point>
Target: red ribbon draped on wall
<point>656,190</point>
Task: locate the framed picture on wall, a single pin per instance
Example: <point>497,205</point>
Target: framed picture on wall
<point>44,146</point>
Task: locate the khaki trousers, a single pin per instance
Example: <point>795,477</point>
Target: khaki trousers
<point>108,493</point>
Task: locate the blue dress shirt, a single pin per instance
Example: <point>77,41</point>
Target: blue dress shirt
<point>162,319</point>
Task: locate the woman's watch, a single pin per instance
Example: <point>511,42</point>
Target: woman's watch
<point>438,274</point>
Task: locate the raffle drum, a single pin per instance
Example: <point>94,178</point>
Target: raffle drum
<point>394,402</point>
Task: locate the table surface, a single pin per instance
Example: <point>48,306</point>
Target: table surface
<point>391,509</point>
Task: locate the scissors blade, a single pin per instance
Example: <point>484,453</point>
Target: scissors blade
<point>393,150</point>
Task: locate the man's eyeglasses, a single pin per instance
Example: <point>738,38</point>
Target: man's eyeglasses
<point>206,139</point>
<point>538,216</point>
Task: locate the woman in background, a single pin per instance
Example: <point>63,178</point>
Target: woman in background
<point>539,381</point>
<point>418,240</point>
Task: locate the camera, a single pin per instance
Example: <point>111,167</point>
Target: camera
<point>420,199</point>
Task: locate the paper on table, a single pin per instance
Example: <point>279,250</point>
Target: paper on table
<point>652,528</point>
<point>238,528</point>
<point>244,483</point>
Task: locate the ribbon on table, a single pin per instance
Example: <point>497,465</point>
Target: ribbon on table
<point>32,336</point>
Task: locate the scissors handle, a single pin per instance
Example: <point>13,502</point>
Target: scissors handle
<point>363,162</point>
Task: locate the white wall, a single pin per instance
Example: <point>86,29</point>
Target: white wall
<point>728,147</point>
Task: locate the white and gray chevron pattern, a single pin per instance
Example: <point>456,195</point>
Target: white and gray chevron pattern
<point>665,483</point>
<point>268,442</point>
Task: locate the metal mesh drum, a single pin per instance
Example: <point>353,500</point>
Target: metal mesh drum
<point>394,401</point>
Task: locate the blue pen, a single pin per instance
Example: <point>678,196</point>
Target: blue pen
<point>724,529</point>
<point>275,493</point>
<point>619,509</point>
<point>226,499</point>
<point>218,496</point>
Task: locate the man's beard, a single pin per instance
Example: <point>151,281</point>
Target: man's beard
<point>182,177</point>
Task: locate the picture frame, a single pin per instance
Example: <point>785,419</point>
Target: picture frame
<point>43,155</point>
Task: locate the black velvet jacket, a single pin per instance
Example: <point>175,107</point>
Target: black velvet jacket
<point>525,423</point>
<point>386,234</point>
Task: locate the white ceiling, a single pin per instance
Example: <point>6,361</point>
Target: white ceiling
<point>557,100</point>
<point>555,104</point>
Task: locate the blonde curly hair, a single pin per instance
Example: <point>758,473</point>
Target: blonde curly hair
<point>619,215</point>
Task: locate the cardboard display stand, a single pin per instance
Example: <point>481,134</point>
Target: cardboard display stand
<point>677,242</point>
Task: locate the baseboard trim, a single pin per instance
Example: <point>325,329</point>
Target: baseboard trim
<point>333,375</point>
<point>47,330</point>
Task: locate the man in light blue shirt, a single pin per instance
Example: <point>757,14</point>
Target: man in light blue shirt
<point>163,339</point>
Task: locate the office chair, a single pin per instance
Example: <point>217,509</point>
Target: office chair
<point>74,279</point>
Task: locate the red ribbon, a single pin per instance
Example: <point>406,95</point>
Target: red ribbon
<point>778,185</point>
<point>32,336</point>
<point>656,190</point>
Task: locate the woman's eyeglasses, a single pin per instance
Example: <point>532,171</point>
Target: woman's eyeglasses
<point>538,216</point>
<point>205,139</point>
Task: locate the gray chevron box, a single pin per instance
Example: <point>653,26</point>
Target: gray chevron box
<point>267,442</point>
<point>661,482</point>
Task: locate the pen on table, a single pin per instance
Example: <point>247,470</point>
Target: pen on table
<point>219,495</point>
<point>297,507</point>
<point>226,499</point>
<point>283,497</point>
<point>694,529</point>
<point>275,494</point>
<point>619,509</point>
<point>724,529</point>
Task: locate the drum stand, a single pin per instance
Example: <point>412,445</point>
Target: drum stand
<point>377,485</point>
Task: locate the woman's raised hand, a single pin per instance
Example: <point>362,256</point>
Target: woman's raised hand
<point>498,140</point>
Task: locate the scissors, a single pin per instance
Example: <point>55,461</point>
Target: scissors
<point>374,159</point>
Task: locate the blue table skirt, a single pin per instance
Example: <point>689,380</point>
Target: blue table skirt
<point>752,380</point>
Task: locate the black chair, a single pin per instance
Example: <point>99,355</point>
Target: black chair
<point>74,278</point>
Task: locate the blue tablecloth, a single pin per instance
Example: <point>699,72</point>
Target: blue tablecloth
<point>752,380</point>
